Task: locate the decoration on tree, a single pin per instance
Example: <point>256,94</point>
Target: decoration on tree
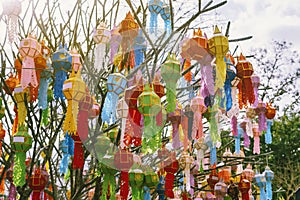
<point>256,135</point>
<point>230,75</point>
<point>270,114</point>
<point>101,36</point>
<point>260,111</point>
<point>171,166</point>
<point>11,83</point>
<point>123,114</point>
<point>185,163</point>
<point>269,175</point>
<point>198,107</point>
<point>220,190</point>
<point>244,186</point>
<point>12,195</point>
<point>260,181</point>
<point>37,182</point>
<point>20,95</point>
<point>136,181</point>
<point>166,16</point>
<point>114,42</point>
<point>255,83</point>
<point>151,182</point>
<point>155,7</point>
<point>213,178</point>
<point>109,180</point>
<point>175,119</point>
<point>140,48</point>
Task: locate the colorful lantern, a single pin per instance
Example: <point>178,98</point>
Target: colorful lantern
<point>244,186</point>
<point>170,169</point>
<point>185,163</point>
<point>19,95</point>
<point>244,71</point>
<point>22,142</point>
<point>218,46</point>
<point>256,136</point>
<point>62,63</point>
<point>260,181</point>
<point>151,182</point>
<point>159,89</point>
<point>114,42</point>
<point>230,75</point>
<point>65,146</point>
<point>260,111</point>
<point>248,173</point>
<point>12,9</point>
<point>136,181</point>
<point>269,175</point>
<point>155,7</point>
<point>213,178</point>
<point>2,136</point>
<point>175,119</point>
<point>255,83</point>
<point>190,115</point>
<point>198,107</point>
<point>166,16</point>
<point>201,147</point>
<point>122,113</point>
<point>170,72</point>
<point>37,182</point>
<point>220,190</point>
<point>101,37</point>
<point>123,160</point>
<point>29,49</point>
<point>116,84</point>
<point>270,114</point>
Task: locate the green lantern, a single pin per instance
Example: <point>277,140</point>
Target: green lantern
<point>109,181</point>
<point>170,72</point>
<point>151,179</point>
<point>136,181</point>
<point>22,142</point>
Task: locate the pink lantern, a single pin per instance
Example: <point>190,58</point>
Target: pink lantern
<point>198,107</point>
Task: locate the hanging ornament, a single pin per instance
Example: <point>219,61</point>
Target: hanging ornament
<point>233,191</point>
<point>248,174</point>
<point>260,111</point>
<point>37,182</point>
<point>12,10</point>
<point>260,181</point>
<point>244,186</point>
<point>74,90</point>
<point>244,72</point>
<point>270,114</point>
<point>101,36</point>
<point>250,116</point>
<point>19,95</point>
<point>123,114</point>
<point>218,46</point>
<point>255,83</point>
<point>140,48</point>
<point>136,181</point>
<point>2,136</point>
<point>171,167</point>
<point>29,49</point>
<point>269,175</point>
<point>201,147</point>
<point>165,14</point>
<point>230,75</point>
<point>198,107</point>
<point>175,119</point>
<point>155,7</point>
<point>225,172</point>
<point>123,160</point>
<point>185,163</point>
<point>220,190</point>
<point>211,115</point>
<point>21,143</point>
<point>116,84</point>
<point>256,135</point>
<point>11,83</point>
<point>161,188</point>
<point>62,63</point>
<point>159,89</point>
<point>212,149</point>
<point>65,150</point>
<point>114,42</point>
<point>170,72</point>
<point>238,168</point>
<point>109,180</point>
<point>238,140</point>
<point>12,195</point>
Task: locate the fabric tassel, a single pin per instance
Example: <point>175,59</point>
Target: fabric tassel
<point>220,72</point>
<point>78,160</point>
<point>108,186</point>
<point>153,22</point>
<point>256,148</point>
<point>70,123</point>
<point>115,41</point>
<point>175,136</point>
<point>262,193</point>
<point>249,128</point>
<point>109,108</point>
<point>192,183</point>
<point>227,89</point>
<point>124,185</point>
<point>238,141</point>
<point>246,94</point>
<point>28,75</point>
<point>60,77</point>
<point>246,138</point>
<point>207,75</point>
<point>36,195</point>
<point>262,124</point>
<point>43,94</point>
<point>63,168</point>
<point>171,96</point>
<point>213,126</point>
<point>234,126</point>
<point>213,155</point>
<point>269,190</point>
<point>99,56</point>
<point>167,26</point>
<point>45,114</point>
<point>19,172</point>
<point>12,192</point>
<point>147,195</point>
<point>268,135</point>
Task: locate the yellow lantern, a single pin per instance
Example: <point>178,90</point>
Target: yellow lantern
<point>19,95</point>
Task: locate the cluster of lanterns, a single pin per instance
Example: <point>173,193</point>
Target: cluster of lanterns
<point>226,88</point>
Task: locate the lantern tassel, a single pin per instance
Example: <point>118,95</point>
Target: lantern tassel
<point>43,96</point>
<point>45,114</point>
<point>36,195</point>
<point>268,135</point>
<point>99,56</point>
<point>12,28</point>
<point>269,190</point>
<point>147,195</point>
<point>262,193</point>
<point>262,124</point>
<point>167,26</point>
<point>124,185</point>
<point>246,139</point>
<point>213,155</point>
<point>207,74</point>
<point>187,177</point>
<point>238,141</point>
<point>28,75</point>
<point>256,148</point>
<point>12,192</point>
<point>220,72</point>
<point>19,172</point>
<point>249,128</point>
<point>70,123</point>
<point>60,77</point>
<point>196,125</point>
<point>153,22</point>
<point>213,126</point>
<point>234,126</point>
<point>175,136</point>
<point>109,108</point>
<point>227,88</point>
<point>171,97</point>
<point>22,113</point>
<point>161,189</point>
<point>169,180</point>
<point>78,160</point>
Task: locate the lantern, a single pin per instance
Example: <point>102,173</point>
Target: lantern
<point>149,106</point>
<point>218,46</point>
<point>255,83</point>
<point>260,181</point>
<point>250,115</point>
<point>230,75</point>
<point>185,163</point>
<point>166,16</point>
<point>161,188</point>
<point>170,72</point>
<point>213,178</point>
<point>62,63</point>
<point>170,170</point>
<point>155,7</point>
<point>2,136</point>
<point>37,182</point>
<point>244,71</point>
<point>109,180</point>
<point>233,191</point>
<point>212,117</point>
<point>248,173</point>
<point>136,181</point>
<point>175,119</point>
<point>74,90</point>
<point>29,49</point>
<point>101,37</point>
<point>140,48</point>
<point>21,143</point>
<point>270,114</point>
<point>19,95</point>
<point>269,175</point>
<point>212,149</point>
<point>260,111</point>
<point>198,107</point>
<point>123,160</point>
<point>12,188</point>
<point>116,84</point>
<point>12,9</point>
<point>256,135</point>
<point>238,140</point>
<point>190,115</point>
<point>11,83</point>
<point>220,189</point>
<point>122,113</point>
<point>114,42</point>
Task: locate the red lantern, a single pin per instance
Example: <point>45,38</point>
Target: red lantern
<point>244,186</point>
<point>37,182</point>
<point>170,169</point>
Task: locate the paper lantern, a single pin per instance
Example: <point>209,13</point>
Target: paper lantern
<point>114,42</point>
<point>151,179</point>
<point>29,49</point>
<point>256,136</point>
<point>218,46</point>
<point>166,16</point>
<point>12,10</point>
<point>220,190</point>
<point>260,111</point>
<point>201,147</point>
<point>95,110</point>
<point>37,182</point>
<point>260,181</point>
<point>19,95</point>
<point>244,186</point>
<point>175,119</point>
<point>101,36</point>
<point>244,71</point>
<point>198,107</point>
<point>255,83</point>
<point>21,143</point>
<point>185,163</point>
<point>248,173</point>
<point>129,31</point>
<point>270,114</point>
<point>66,146</point>
<point>170,170</point>
<point>269,175</point>
<point>62,63</point>
<point>136,181</point>
<point>190,115</point>
<point>140,48</point>
<point>2,136</point>
<point>155,7</point>
<point>74,90</point>
<point>170,72</point>
<point>116,84</point>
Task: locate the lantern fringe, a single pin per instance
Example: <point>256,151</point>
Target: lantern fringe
<point>262,193</point>
<point>161,189</point>
<point>213,155</point>
<point>175,136</point>
<point>19,172</point>
<point>43,94</point>
<point>45,114</point>
<point>138,56</point>
<point>262,124</point>
<point>269,190</point>
<point>36,195</point>
<point>78,160</point>
<point>238,141</point>
<point>99,56</point>
<point>227,89</point>
<point>124,185</point>
<point>28,75</point>
<point>109,184</point>
<point>220,72</point>
<point>153,22</point>
<point>268,135</point>
<point>213,126</point>
<point>256,148</point>
<point>255,92</point>
<point>12,28</point>
<point>234,126</point>
<point>70,123</point>
<point>60,77</point>
<point>246,92</point>
<point>207,75</point>
<point>22,113</point>
<point>197,130</point>
<point>249,127</point>
<point>63,168</point>
<point>109,108</point>
<point>246,139</point>
<point>167,26</point>
<point>171,97</point>
<point>70,143</point>
<point>12,192</point>
<point>147,195</point>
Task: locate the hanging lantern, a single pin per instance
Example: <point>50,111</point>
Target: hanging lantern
<point>244,186</point>
<point>22,142</point>
<point>159,89</point>
<point>116,84</point>
<point>260,111</point>
<point>37,182</point>
<point>11,83</point>
<point>255,83</point>
<point>269,175</point>
<point>101,36</point>
<point>256,136</point>
<point>185,163</point>
<point>123,160</point>
<point>260,181</point>
<point>213,178</point>
<point>270,114</point>
<point>29,49</point>
<point>109,180</point>
<point>12,10</point>
<point>233,191</point>
<point>175,119</point>
<point>166,16</point>
<point>136,181</point>
<point>218,46</point>
<point>155,7</point>
<point>19,95</point>
<point>220,190</point>
<point>2,136</point>
<point>244,72</point>
<point>201,147</point>
<point>230,75</point>
<point>248,173</point>
<point>161,188</point>
<point>171,168</point>
<point>198,107</point>
<point>114,42</point>
<point>190,115</point>
<point>170,72</point>
<point>74,91</point>
<point>123,114</point>
<point>66,146</point>
<point>62,63</point>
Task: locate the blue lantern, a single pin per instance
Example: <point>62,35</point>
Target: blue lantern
<point>166,15</point>
<point>155,7</point>
<point>139,48</point>
<point>230,75</point>
<point>269,175</point>
<point>260,181</point>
